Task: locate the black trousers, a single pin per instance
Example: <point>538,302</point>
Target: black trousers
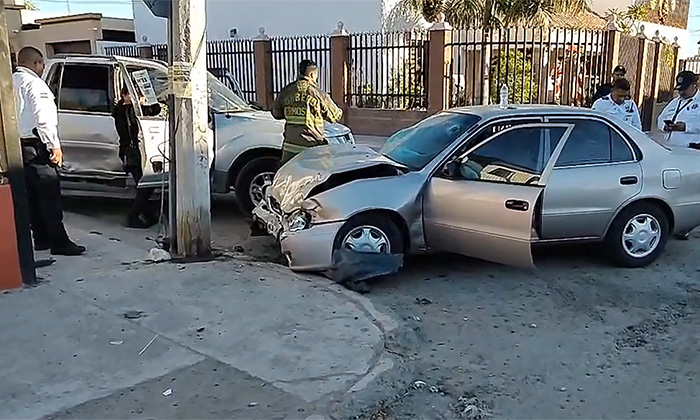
<point>43,195</point>
<point>141,205</point>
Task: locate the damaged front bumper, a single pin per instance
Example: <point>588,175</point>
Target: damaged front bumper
<point>310,249</point>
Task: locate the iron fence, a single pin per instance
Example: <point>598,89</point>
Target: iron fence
<point>692,64</point>
<point>389,70</point>
<point>287,52</point>
<point>237,57</point>
<point>231,61</point>
<point>555,66</point>
<point>123,50</point>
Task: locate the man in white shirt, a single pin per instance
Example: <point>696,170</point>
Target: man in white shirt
<point>680,120</point>
<point>617,104</point>
<point>681,117</point>
<point>41,153</point>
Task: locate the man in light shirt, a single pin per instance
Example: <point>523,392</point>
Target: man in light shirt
<point>680,120</point>
<point>617,104</point>
<point>41,153</point>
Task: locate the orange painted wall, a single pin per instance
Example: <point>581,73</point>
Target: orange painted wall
<point>10,274</point>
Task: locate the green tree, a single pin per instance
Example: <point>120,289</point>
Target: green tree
<point>405,88</point>
<point>486,14</point>
<point>514,71</point>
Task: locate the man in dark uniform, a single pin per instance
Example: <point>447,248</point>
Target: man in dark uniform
<point>305,108</point>
<point>127,126</point>
<point>41,152</point>
<point>606,89</point>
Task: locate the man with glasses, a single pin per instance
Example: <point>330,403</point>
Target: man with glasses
<point>680,120</point>
<point>606,89</point>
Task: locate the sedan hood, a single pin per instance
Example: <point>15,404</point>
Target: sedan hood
<point>298,177</point>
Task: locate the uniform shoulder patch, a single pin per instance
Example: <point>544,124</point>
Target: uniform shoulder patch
<point>605,98</point>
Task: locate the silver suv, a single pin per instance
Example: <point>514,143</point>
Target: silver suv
<point>245,143</point>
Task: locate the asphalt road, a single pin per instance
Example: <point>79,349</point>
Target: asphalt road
<point>576,338</point>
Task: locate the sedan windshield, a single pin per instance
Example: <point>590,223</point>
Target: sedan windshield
<point>417,145</point>
<point>221,98</point>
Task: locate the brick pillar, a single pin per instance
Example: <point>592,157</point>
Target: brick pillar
<point>638,93</point>
<point>262,51</point>
<point>613,48</point>
<point>676,63</point>
<point>340,69</point>
<point>439,58</point>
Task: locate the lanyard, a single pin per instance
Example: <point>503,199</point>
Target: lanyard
<point>680,108</point>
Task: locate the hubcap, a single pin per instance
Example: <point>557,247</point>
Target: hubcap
<point>257,186</point>
<point>368,239</point>
<point>641,235</point>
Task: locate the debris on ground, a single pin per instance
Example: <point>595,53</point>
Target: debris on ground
<point>253,404</point>
<point>351,269</point>
<point>143,350</point>
<point>238,249</point>
<point>168,392</point>
<point>533,325</point>
<point>471,408</point>
<point>95,232</point>
<point>79,279</point>
<point>157,255</point>
<point>116,343</point>
<point>201,329</point>
<point>423,301</point>
<point>133,314</point>
<point>419,384</point>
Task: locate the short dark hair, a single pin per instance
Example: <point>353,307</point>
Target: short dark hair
<point>29,55</point>
<point>622,84</point>
<point>306,67</point>
<point>620,69</point>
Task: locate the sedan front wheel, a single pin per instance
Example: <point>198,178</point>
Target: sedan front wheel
<point>638,235</point>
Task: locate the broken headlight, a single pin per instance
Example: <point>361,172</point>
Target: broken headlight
<point>298,221</point>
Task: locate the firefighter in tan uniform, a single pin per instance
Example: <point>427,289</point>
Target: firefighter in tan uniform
<point>305,108</point>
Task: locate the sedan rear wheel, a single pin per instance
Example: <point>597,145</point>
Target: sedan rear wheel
<point>638,235</point>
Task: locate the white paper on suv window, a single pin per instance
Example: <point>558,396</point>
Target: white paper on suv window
<point>143,82</point>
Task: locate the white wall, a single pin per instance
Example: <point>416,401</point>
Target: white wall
<point>602,6</point>
<point>278,17</point>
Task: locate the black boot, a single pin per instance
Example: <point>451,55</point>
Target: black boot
<point>68,249</point>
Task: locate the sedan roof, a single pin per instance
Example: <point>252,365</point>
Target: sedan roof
<point>494,111</point>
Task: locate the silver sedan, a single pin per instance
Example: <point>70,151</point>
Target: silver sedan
<point>488,183</point>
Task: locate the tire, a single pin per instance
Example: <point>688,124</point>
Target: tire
<point>375,223</point>
<point>617,249</point>
<point>247,175</point>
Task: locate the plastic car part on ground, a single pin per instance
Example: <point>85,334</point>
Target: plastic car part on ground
<point>350,267</point>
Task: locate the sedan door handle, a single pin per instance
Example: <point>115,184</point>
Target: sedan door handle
<point>628,180</point>
<point>517,205</point>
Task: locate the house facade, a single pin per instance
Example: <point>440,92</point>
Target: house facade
<point>244,18</point>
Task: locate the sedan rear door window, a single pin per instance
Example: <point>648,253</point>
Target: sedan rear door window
<point>588,144</point>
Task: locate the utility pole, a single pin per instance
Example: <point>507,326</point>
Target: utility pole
<point>190,200</point>
<point>11,158</point>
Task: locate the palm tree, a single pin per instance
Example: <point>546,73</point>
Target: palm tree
<point>485,14</point>
<point>30,5</point>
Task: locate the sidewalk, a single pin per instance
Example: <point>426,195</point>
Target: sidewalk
<point>234,339</point>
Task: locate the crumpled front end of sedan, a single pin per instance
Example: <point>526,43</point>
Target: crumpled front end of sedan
<point>312,197</point>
